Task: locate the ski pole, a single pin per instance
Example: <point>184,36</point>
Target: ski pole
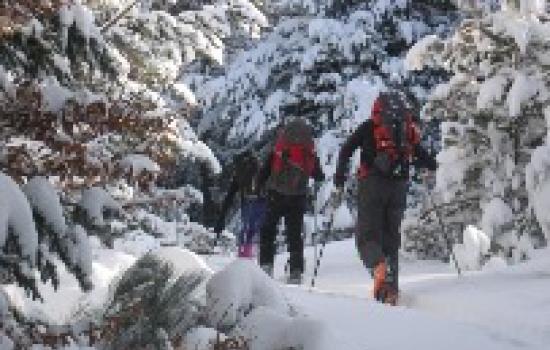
<point>322,249</point>
<point>315,226</point>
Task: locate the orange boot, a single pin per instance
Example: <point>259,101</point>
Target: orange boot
<point>379,280</point>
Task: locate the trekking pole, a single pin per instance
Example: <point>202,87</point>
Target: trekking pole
<point>315,226</point>
<point>322,249</point>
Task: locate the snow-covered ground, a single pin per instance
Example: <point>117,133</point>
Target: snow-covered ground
<point>496,308</point>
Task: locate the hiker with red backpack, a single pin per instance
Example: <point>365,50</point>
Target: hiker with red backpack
<point>389,143</point>
<point>287,170</point>
<point>253,204</point>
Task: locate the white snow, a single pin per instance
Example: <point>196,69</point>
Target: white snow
<point>45,200</point>
<point>343,218</point>
<point>54,94</point>
<point>268,329</point>
<point>537,180</point>
<point>500,307</point>
<point>496,213</point>
<point>475,245</point>
<point>239,288</point>
<point>201,338</point>
<point>523,88</point>
<point>58,306</point>
<point>139,162</point>
<point>16,213</point>
<point>5,342</point>
<point>184,92</point>
<point>416,56</point>
<point>490,91</point>
<point>94,200</point>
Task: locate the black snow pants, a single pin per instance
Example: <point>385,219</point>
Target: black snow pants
<point>382,202</point>
<point>292,208</point>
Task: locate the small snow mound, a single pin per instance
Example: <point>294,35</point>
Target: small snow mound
<point>183,260</point>
<point>475,245</point>
<point>200,338</point>
<point>267,329</point>
<point>239,288</point>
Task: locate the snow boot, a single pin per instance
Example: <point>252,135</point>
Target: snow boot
<point>391,295</point>
<point>246,250</point>
<point>379,274</point>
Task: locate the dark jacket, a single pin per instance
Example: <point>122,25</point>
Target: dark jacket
<point>363,138</point>
<point>244,181</point>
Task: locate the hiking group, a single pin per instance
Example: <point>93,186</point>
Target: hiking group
<point>389,142</point>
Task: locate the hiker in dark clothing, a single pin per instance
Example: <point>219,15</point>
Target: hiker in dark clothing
<point>389,143</point>
<point>287,171</point>
<point>253,204</point>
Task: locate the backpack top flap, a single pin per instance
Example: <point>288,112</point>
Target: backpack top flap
<point>293,158</point>
<point>391,123</point>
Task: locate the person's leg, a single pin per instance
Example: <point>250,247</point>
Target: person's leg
<point>294,220</point>
<point>257,214</point>
<point>269,231</point>
<point>245,227</point>
<point>370,219</point>
<point>392,237</point>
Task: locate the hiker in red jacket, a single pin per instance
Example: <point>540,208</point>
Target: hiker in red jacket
<point>389,143</point>
<point>287,171</point>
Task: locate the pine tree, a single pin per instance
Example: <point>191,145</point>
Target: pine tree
<point>79,119</point>
<point>492,113</point>
<point>326,67</point>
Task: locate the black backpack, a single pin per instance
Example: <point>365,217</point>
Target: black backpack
<point>395,133</point>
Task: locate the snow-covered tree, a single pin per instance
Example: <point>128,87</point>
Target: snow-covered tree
<point>34,234</point>
<point>492,113</point>
<point>327,68</point>
<point>86,131</point>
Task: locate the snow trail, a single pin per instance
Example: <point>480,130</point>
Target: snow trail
<point>500,307</point>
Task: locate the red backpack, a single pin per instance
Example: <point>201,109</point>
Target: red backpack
<point>293,158</point>
<point>395,133</point>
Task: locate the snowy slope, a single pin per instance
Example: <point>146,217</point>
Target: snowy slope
<point>497,308</point>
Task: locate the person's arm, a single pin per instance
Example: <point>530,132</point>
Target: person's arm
<point>265,171</point>
<point>352,143</point>
<point>423,159</point>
